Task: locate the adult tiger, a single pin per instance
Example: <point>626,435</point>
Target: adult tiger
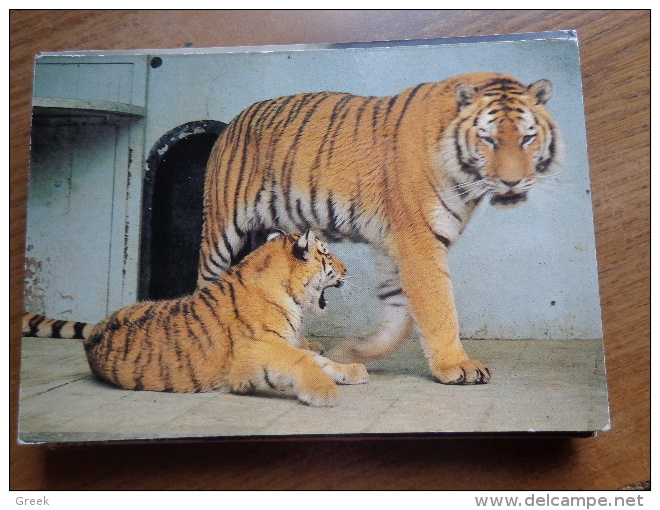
<point>403,173</point>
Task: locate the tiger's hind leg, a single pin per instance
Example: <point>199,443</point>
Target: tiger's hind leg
<point>395,321</point>
<point>231,245</point>
<point>215,255</point>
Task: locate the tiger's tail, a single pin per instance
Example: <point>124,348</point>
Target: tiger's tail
<point>40,326</point>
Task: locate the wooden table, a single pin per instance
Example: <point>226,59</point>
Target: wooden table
<point>615,52</point>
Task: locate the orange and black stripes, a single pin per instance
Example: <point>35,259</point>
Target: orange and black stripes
<point>35,325</point>
<point>192,344</point>
<point>326,160</point>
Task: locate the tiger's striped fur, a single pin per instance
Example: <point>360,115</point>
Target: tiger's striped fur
<point>403,173</point>
<point>241,331</point>
<point>35,325</point>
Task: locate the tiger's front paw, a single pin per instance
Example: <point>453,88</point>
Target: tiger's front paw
<point>350,373</point>
<point>466,372</point>
<point>326,396</point>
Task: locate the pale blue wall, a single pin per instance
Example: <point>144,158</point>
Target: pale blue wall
<point>83,204</point>
<point>509,266</point>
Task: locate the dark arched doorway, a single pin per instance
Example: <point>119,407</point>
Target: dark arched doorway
<point>172,209</point>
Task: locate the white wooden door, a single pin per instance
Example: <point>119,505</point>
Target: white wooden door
<point>76,217</point>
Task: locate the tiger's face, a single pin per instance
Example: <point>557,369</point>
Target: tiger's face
<point>504,140</point>
<point>323,268</point>
<point>313,270</point>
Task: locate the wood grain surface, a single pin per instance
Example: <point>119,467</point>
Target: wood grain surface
<point>615,55</point>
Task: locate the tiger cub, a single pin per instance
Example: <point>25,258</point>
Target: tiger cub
<point>241,331</point>
<point>403,173</point>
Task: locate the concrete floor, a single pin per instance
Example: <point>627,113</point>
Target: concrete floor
<point>537,385</point>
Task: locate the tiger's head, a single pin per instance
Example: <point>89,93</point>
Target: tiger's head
<point>312,269</point>
<point>502,140</point>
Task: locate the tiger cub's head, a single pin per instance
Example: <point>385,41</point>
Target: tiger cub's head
<point>312,269</point>
<point>502,140</point>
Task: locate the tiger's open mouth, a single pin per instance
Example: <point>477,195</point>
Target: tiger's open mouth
<point>323,302</point>
<point>508,199</point>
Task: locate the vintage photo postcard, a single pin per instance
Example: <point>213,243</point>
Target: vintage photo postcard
<point>370,239</point>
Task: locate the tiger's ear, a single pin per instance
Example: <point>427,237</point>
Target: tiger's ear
<point>464,94</point>
<point>541,90</point>
<point>277,233</point>
<point>303,245</point>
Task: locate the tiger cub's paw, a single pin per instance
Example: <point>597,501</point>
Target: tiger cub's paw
<point>350,373</point>
<point>320,397</point>
<point>467,372</point>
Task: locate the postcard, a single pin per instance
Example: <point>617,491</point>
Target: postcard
<point>368,239</point>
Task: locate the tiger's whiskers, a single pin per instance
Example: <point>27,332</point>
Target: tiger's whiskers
<point>466,185</point>
<point>349,288</point>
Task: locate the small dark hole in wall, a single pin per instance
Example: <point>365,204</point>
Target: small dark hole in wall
<point>156,62</point>
<point>172,210</point>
